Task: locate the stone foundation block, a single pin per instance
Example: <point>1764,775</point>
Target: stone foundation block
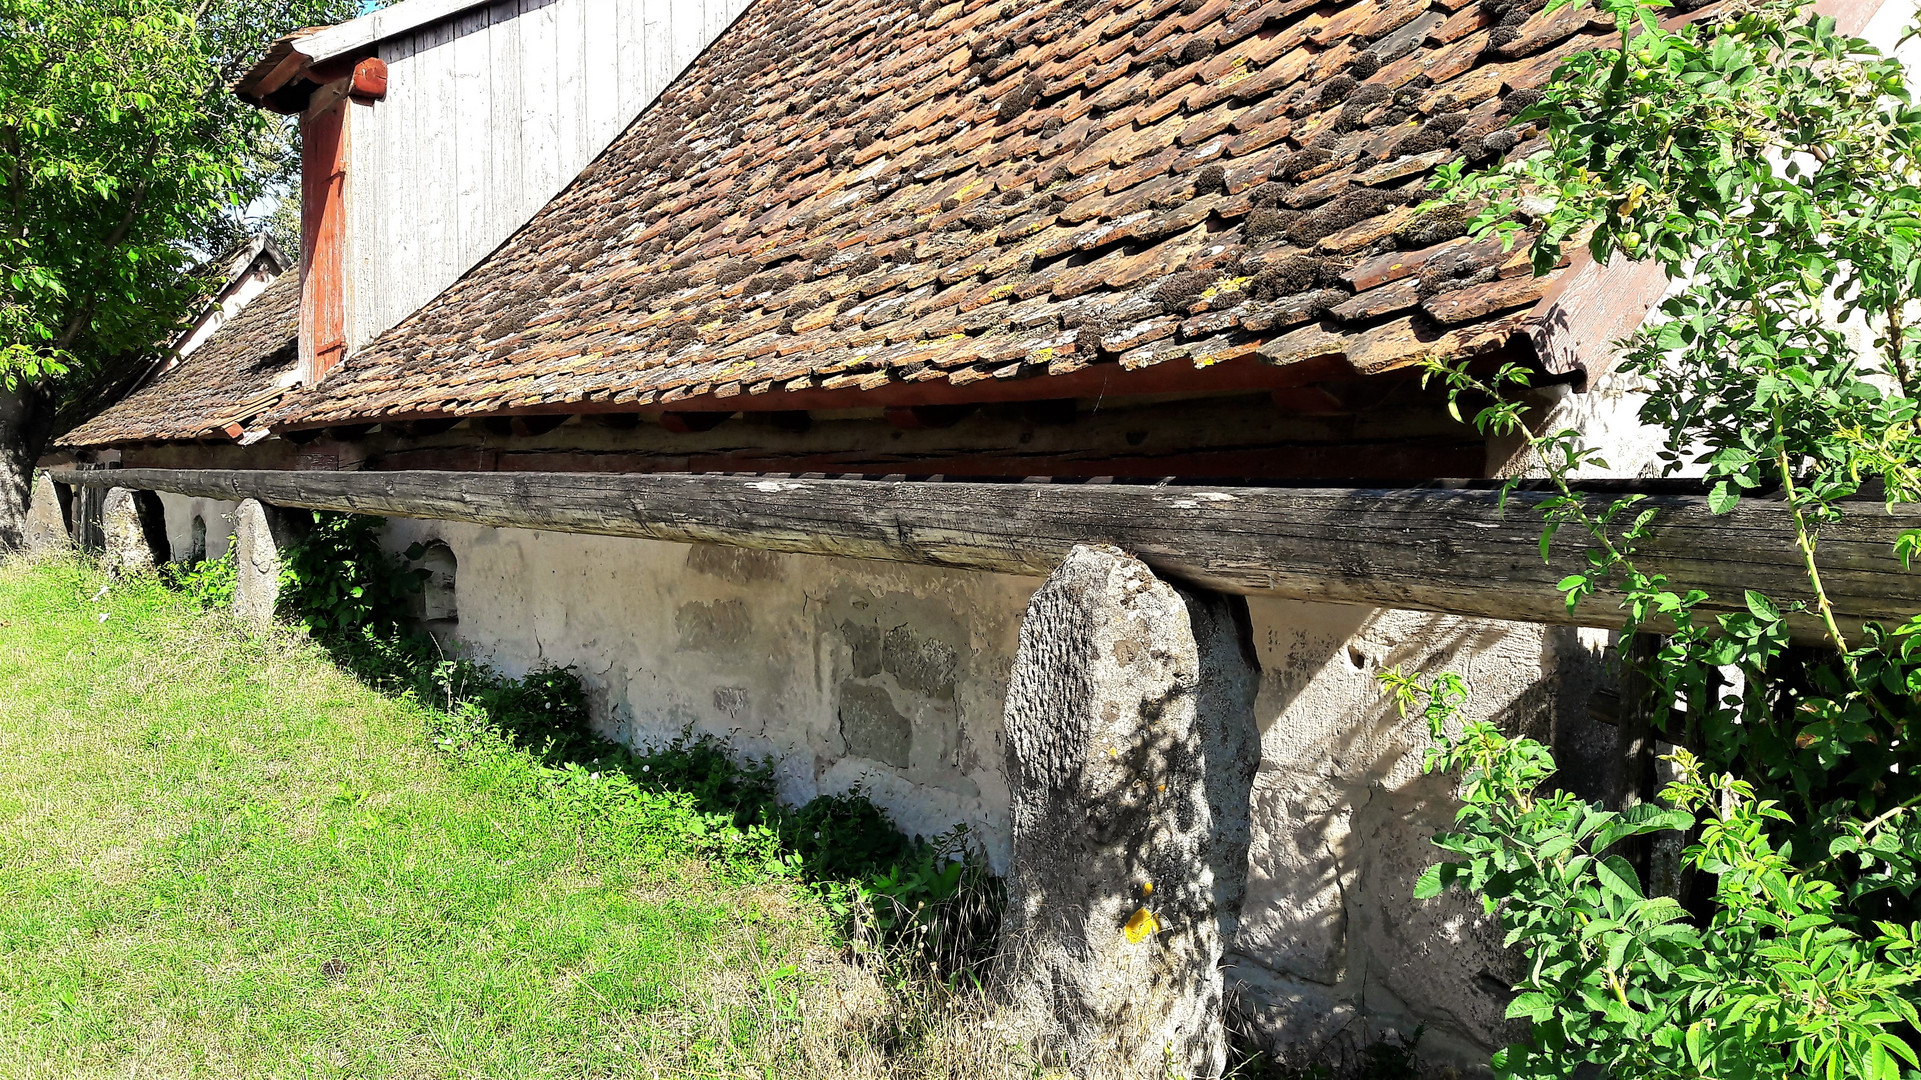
<point>261,532</point>
<point>133,531</point>
<point>47,527</point>
<point>1131,749</point>
<point>1299,1023</point>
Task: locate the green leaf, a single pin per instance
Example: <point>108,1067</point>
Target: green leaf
<point>1434,880</point>
<point>1618,877</point>
<point>1533,1005</point>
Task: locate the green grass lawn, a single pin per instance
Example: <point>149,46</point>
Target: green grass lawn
<point>221,856</point>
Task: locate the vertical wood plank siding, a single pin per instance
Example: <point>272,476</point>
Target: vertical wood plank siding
<point>488,115</point>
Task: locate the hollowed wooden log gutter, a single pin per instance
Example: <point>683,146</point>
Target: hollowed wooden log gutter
<point>1445,550</point>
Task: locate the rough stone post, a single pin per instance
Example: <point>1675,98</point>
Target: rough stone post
<point>47,525</point>
<point>260,532</point>
<point>1131,752</point>
<point>133,542</point>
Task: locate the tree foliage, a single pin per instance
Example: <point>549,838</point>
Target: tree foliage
<point>125,163</point>
<point>1769,164</point>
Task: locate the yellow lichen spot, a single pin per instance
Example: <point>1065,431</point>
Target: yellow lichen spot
<point>1043,353</point>
<point>715,325</point>
<point>1141,926</point>
<point>1147,887</point>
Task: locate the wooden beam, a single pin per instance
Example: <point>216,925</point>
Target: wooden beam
<point>926,417</point>
<point>278,76</point>
<point>521,426</point>
<point>1452,551</point>
<point>422,429</point>
<point>369,81</point>
<point>323,234</point>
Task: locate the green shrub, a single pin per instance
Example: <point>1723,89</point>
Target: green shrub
<point>337,579</point>
<point>1766,162</point>
<point>210,582</point>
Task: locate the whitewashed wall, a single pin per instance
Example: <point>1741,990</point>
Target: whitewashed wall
<point>488,115</point>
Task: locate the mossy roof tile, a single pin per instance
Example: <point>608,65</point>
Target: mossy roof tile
<point>235,377</point>
<point>842,193</point>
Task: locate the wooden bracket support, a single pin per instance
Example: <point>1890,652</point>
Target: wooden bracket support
<point>369,81</point>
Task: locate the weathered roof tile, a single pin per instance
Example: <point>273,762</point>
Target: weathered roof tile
<point>235,377</point>
<point>843,192</point>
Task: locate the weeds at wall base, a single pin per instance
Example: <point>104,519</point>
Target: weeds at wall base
<point>926,906</point>
<point>923,905</point>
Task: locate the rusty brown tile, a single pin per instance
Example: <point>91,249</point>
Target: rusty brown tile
<point>1465,305</point>
<point>1544,29</point>
<point>1311,342</point>
<point>1399,296</point>
<point>1134,139</point>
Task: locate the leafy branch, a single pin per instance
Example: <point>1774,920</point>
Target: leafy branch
<point>1768,164</point>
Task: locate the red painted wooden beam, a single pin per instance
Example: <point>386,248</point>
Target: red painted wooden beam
<point>323,233</point>
<point>369,81</point>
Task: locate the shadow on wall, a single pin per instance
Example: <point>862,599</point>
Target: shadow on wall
<point>1333,949</point>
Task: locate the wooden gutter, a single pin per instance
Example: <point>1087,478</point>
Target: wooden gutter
<point>1450,551</point>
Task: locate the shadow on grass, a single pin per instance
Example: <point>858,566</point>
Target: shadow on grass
<point>930,901</point>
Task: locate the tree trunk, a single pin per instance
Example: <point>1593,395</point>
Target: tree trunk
<point>25,424</point>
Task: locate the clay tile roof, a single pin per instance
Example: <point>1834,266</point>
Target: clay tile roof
<point>844,194</point>
<point>234,377</point>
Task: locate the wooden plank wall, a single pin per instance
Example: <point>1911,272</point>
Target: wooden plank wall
<point>488,115</point>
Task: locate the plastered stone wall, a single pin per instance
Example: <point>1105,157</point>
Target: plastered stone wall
<point>1333,951</point>
<point>889,678</point>
<point>181,512</point>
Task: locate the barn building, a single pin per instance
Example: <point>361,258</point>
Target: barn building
<point>1124,261</point>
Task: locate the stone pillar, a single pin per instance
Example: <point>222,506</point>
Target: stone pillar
<point>260,532</point>
<point>133,542</point>
<point>47,525</point>
<point>1131,752</point>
